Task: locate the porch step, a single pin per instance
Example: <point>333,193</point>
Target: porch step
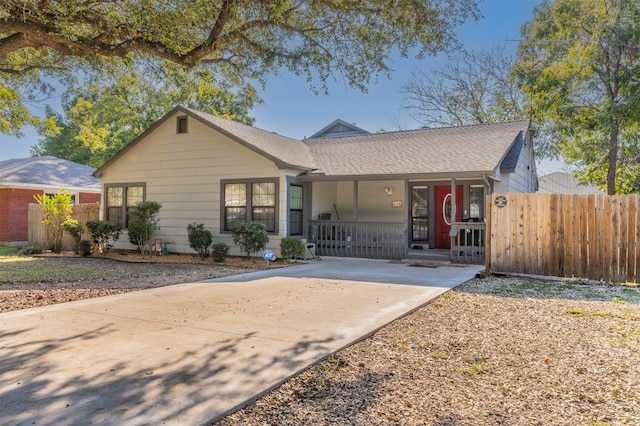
<point>430,255</point>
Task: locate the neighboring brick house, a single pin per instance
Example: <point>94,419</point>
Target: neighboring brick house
<point>22,178</point>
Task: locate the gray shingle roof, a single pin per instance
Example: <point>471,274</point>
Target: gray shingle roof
<point>338,128</point>
<point>47,171</point>
<point>510,161</point>
<point>478,148</point>
<point>473,149</point>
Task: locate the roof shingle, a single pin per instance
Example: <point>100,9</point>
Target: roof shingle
<point>478,148</point>
<point>47,171</point>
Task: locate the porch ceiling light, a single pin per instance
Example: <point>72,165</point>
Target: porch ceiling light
<point>389,190</point>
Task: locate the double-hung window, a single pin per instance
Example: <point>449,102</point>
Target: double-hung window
<point>120,198</point>
<point>250,201</point>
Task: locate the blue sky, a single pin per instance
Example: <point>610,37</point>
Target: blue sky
<point>290,108</point>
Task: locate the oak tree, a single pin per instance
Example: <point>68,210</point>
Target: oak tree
<point>241,39</point>
<point>117,104</point>
<point>580,61</point>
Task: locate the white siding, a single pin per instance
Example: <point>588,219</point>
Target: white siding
<point>374,204</point>
<point>324,194</point>
<point>523,178</point>
<point>183,173</point>
<point>562,183</point>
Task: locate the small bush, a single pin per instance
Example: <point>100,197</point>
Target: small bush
<point>104,234</point>
<point>219,252</point>
<point>144,217</point>
<point>75,229</point>
<point>291,248</point>
<point>199,239</point>
<point>250,237</point>
<point>29,250</point>
<point>85,247</point>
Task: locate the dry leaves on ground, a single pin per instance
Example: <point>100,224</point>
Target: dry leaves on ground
<point>500,351</point>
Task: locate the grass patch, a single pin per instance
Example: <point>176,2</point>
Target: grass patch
<point>8,251</point>
<point>549,289</point>
<point>29,269</point>
<point>585,313</point>
<point>516,286</point>
<point>473,370</point>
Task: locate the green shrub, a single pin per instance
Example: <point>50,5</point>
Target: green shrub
<point>104,234</point>
<point>56,210</point>
<point>199,239</point>
<point>219,252</point>
<point>85,247</point>
<point>291,248</point>
<point>250,237</point>
<point>143,222</point>
<point>75,229</point>
<point>29,250</point>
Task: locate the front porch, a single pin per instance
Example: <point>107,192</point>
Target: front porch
<point>389,240</point>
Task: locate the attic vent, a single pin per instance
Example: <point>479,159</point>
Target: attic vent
<point>182,124</point>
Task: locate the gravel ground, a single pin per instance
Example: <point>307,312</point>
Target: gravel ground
<point>497,351</point>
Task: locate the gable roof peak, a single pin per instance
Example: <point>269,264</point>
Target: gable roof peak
<point>338,128</point>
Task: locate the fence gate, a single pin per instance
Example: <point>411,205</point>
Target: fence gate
<point>586,236</point>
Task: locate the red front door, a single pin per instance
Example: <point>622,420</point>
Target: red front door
<point>443,214</point>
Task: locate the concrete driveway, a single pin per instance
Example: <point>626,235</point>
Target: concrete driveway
<point>191,353</point>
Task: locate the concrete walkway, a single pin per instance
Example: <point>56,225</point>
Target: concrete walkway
<point>191,353</point>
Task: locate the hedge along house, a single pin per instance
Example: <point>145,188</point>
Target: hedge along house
<point>23,178</point>
<point>364,195</point>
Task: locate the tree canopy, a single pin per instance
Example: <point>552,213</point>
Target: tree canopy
<point>243,39</point>
<point>580,62</point>
<point>470,88</point>
<point>113,107</point>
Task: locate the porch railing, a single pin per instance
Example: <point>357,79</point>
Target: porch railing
<point>372,240</point>
<point>467,242</point>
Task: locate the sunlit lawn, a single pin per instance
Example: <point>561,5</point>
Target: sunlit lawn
<point>14,268</point>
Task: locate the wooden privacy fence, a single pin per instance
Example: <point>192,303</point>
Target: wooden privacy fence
<point>587,236</point>
<point>38,233</point>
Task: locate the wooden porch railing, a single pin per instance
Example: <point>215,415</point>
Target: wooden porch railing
<point>467,242</point>
<point>372,240</point>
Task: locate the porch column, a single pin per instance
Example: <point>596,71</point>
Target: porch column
<point>453,200</point>
<point>355,200</point>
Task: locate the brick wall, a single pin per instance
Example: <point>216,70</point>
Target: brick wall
<point>88,197</point>
<point>14,213</point>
